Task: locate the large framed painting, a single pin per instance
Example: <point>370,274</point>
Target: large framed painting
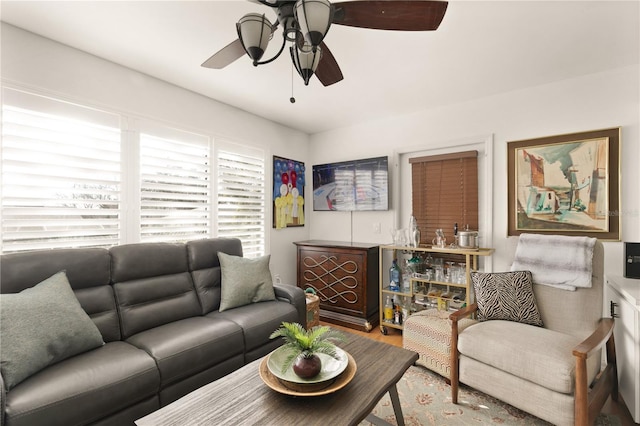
<point>288,193</point>
<point>565,184</point>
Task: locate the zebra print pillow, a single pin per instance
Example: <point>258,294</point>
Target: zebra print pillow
<point>506,296</point>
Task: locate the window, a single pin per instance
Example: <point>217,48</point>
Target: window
<point>445,192</point>
<point>71,177</point>
<point>61,176</point>
<point>241,199</point>
<point>175,188</point>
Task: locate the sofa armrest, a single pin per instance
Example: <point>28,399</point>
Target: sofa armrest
<point>596,340</point>
<point>295,296</point>
<point>463,313</point>
<point>591,397</point>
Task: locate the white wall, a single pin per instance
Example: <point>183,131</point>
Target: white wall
<point>32,62</point>
<point>598,101</point>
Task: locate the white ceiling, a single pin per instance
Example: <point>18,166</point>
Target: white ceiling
<point>481,48</point>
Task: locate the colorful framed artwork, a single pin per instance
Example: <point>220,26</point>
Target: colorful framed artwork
<point>288,193</point>
<point>565,184</point>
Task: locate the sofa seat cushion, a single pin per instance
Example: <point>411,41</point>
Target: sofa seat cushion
<point>258,320</point>
<point>84,388</point>
<point>532,353</point>
<point>186,347</point>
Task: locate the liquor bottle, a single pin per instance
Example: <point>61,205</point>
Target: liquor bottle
<point>388,310</point>
<point>394,276</point>
<point>397,319</point>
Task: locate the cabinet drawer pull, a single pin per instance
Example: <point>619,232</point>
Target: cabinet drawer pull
<point>612,309</point>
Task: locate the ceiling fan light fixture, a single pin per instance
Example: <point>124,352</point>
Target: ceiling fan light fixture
<point>306,60</point>
<point>254,32</point>
<point>314,18</point>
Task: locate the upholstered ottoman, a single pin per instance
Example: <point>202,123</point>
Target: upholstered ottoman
<point>428,332</point>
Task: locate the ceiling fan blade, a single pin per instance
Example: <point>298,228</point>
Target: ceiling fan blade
<point>403,15</point>
<point>328,71</point>
<point>225,56</point>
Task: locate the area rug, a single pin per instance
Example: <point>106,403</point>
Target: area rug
<point>426,400</point>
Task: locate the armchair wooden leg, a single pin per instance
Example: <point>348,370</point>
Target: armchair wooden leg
<point>611,360</point>
<point>454,357</point>
<point>581,394</point>
<point>454,362</point>
<point>454,392</point>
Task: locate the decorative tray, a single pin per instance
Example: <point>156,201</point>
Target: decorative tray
<point>331,367</point>
<point>335,378</point>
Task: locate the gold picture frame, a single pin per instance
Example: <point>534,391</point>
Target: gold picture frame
<point>565,184</point>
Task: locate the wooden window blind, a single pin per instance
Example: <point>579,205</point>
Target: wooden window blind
<point>445,192</point>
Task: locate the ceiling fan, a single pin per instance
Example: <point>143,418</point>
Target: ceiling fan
<point>306,22</point>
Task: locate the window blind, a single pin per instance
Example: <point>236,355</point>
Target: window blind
<point>445,192</point>
<point>241,199</point>
<point>70,177</point>
<point>61,177</point>
<point>175,188</point>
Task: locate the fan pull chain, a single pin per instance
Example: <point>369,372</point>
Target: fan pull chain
<point>292,99</point>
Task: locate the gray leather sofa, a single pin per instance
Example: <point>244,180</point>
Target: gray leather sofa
<point>156,306</point>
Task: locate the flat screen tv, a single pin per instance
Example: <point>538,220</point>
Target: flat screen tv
<point>359,185</point>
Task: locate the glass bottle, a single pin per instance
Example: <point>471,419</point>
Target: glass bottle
<point>414,233</point>
<point>397,319</point>
<point>394,276</point>
<point>388,310</point>
<point>406,308</point>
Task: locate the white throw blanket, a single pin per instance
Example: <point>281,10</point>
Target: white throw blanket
<point>556,260</point>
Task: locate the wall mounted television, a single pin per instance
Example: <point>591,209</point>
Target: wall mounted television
<point>359,185</point>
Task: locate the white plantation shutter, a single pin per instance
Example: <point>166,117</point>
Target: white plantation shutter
<point>71,177</point>
<point>61,177</point>
<point>241,198</point>
<point>175,187</point>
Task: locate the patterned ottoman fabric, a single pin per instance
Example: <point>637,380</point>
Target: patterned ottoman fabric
<point>428,332</point>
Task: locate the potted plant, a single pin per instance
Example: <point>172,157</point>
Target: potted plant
<point>304,345</point>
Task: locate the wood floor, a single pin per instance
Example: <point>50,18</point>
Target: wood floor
<point>394,337</point>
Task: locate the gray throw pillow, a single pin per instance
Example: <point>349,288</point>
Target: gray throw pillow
<point>506,296</point>
<point>244,281</point>
<point>40,326</point>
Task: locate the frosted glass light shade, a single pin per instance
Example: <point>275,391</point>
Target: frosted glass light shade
<point>306,61</point>
<point>254,31</point>
<point>314,18</point>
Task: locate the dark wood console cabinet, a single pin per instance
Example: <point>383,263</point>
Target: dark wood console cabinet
<point>345,277</point>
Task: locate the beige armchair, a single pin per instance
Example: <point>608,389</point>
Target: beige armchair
<point>553,372</point>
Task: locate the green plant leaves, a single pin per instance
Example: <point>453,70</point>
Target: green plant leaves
<point>302,342</point>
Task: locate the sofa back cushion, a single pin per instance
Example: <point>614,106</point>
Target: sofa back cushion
<point>88,272</point>
<point>205,267</point>
<point>152,285</point>
<point>574,312</point>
